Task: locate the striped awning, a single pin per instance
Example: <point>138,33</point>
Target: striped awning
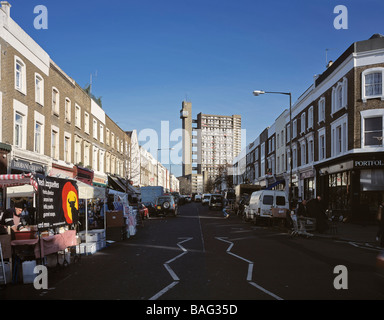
<point>12,180</point>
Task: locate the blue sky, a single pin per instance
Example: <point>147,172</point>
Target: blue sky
<point>150,55</point>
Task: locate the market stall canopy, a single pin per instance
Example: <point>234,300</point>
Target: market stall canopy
<point>90,192</point>
<point>25,191</point>
<point>13,180</point>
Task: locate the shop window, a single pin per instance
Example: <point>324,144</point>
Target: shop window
<point>339,191</point>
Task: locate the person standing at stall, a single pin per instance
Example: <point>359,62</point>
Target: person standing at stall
<point>11,217</point>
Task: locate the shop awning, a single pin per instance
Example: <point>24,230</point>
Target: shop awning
<point>131,189</point>
<point>115,184</point>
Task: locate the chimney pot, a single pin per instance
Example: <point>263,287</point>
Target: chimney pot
<point>6,7</point>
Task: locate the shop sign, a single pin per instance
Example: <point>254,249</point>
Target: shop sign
<point>26,166</point>
<point>57,202</point>
<point>307,174</point>
<point>369,163</point>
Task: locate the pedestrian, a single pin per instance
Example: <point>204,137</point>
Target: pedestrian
<point>316,210</point>
<point>380,219</point>
<point>25,218</point>
<point>302,209</point>
<point>225,202</point>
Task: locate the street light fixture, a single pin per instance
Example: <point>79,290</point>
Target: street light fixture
<point>259,92</point>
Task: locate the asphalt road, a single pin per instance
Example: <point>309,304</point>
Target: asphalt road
<point>200,255</point>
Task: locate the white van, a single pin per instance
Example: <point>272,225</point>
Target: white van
<point>262,202</point>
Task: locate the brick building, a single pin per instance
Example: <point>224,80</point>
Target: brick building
<point>49,124</point>
<point>337,136</point>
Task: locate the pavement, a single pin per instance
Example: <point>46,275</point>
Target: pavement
<point>352,232</point>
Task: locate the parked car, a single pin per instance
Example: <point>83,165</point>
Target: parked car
<point>188,198</point>
<point>262,202</point>
<point>166,205</point>
<point>198,197</point>
<point>205,199</point>
<point>178,198</point>
<point>216,201</point>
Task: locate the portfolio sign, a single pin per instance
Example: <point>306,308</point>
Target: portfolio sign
<point>369,163</point>
<point>58,202</point>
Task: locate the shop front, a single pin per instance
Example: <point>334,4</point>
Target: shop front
<point>5,149</point>
<point>307,181</point>
<point>65,172</point>
<point>83,174</point>
<point>353,186</point>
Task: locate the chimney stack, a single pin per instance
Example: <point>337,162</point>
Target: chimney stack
<point>6,7</point>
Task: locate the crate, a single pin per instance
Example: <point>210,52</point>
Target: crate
<point>28,274</point>
<point>86,248</point>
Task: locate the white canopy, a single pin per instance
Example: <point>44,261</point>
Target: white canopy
<point>90,192</point>
<point>25,191</point>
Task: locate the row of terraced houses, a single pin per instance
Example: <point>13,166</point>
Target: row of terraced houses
<point>337,137</point>
<point>51,125</point>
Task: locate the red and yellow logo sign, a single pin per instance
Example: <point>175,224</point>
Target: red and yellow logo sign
<point>70,200</point>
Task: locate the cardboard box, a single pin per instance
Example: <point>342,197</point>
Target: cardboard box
<point>115,219</point>
<point>279,212</point>
<point>115,233</point>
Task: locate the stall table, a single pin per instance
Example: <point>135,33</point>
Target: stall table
<point>50,244</point>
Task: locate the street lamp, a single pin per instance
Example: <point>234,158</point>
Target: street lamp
<point>256,93</point>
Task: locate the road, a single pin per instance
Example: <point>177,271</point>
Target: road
<point>200,255</point>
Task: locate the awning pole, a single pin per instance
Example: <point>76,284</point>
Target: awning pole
<point>86,226</point>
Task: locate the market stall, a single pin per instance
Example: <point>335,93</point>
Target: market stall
<point>56,215</point>
<point>95,239</point>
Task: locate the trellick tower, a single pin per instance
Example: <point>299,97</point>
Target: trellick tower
<point>186,117</point>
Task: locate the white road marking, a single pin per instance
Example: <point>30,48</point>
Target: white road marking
<point>171,272</point>
<point>250,269</point>
<point>201,231</point>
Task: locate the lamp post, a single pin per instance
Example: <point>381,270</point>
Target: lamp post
<point>259,92</point>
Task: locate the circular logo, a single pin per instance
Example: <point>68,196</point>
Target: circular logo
<point>70,202</point>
